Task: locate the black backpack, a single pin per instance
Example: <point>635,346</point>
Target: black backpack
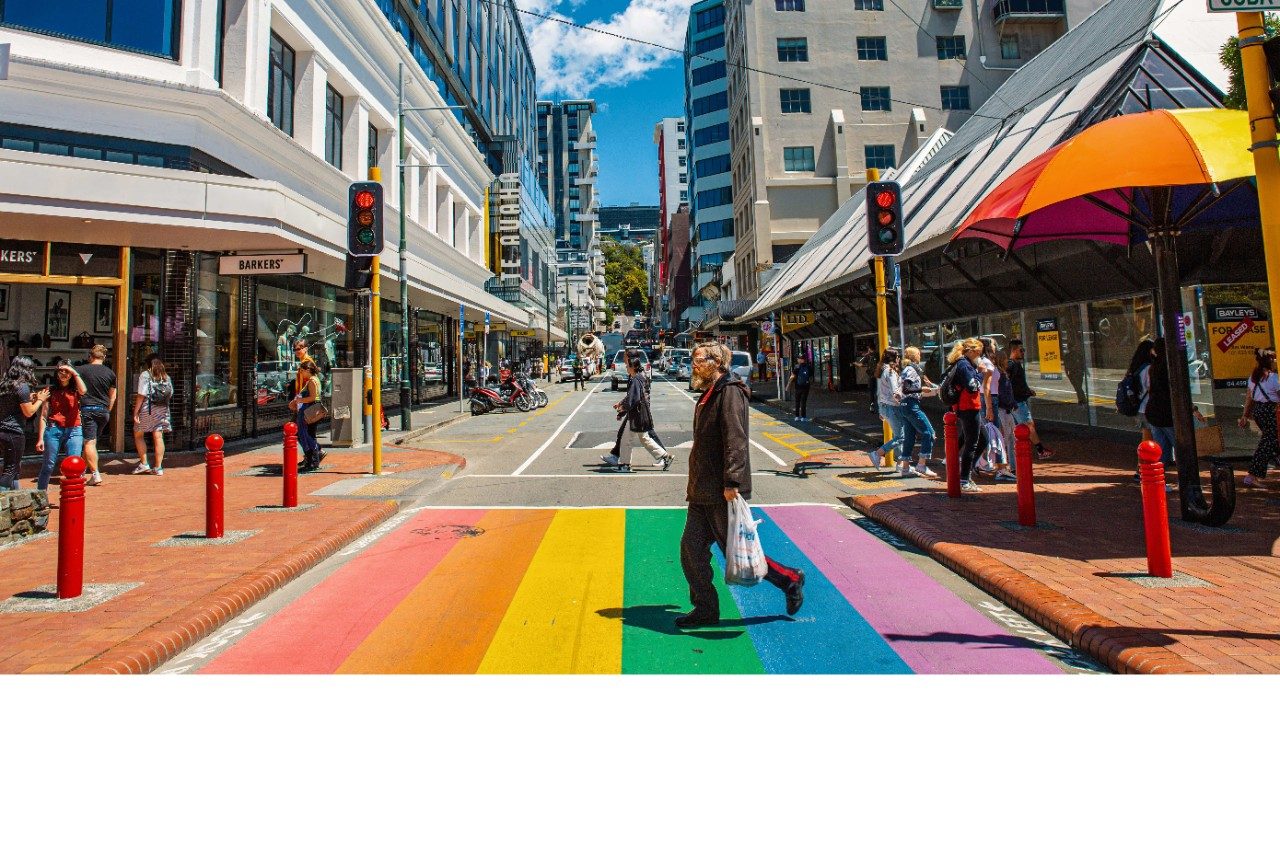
<point>1005,399</point>
<point>1129,395</point>
<point>948,390</point>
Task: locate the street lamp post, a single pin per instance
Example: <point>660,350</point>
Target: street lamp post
<point>401,109</point>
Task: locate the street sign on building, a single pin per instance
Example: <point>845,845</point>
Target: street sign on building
<point>792,320</point>
<point>276,263</point>
<point>1244,5</point>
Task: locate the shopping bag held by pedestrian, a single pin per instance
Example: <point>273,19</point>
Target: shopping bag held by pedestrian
<point>744,561</point>
<point>315,413</point>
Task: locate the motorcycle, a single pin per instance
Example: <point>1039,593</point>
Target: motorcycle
<point>532,389</point>
<point>485,399</point>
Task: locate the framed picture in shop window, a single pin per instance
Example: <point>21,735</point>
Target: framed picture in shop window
<point>57,314</point>
<point>104,312</point>
<point>4,302</point>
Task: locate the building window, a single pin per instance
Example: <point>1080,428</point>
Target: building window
<point>793,50</point>
<point>789,5</point>
<point>684,195</point>
<point>798,159</point>
<point>332,127</point>
<point>712,166</point>
<point>709,43</point>
<point>715,197</point>
<point>373,147</point>
<point>707,73</point>
<point>795,100</point>
<point>715,230</point>
<point>280,85</point>
<point>683,162</point>
<point>879,156</point>
<point>868,5</point>
<point>955,97</point>
<point>1009,47</point>
<point>951,47</point>
<point>711,103</point>
<point>684,178</point>
<point>873,48</point>
<point>876,99</point>
<point>680,127</point>
<point>141,26</point>
<point>709,18</point>
<point>714,133</point>
<point>680,144</point>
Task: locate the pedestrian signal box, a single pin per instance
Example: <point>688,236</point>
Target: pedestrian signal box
<point>364,219</point>
<point>884,218</point>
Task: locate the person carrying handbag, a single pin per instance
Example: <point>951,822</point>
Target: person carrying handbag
<point>307,397</point>
<point>1261,397</point>
<point>639,421</point>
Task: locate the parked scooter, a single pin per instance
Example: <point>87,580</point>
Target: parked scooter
<point>486,399</point>
<point>533,390</point>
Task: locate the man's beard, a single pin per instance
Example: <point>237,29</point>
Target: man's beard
<point>701,384</point>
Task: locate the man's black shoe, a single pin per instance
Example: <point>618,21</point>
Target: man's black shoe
<point>694,619</point>
<point>795,594</point>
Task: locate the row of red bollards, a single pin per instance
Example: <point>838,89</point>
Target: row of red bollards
<point>71,505</point>
<point>1155,515</point>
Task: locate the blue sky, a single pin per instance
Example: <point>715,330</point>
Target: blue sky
<point>634,86</point>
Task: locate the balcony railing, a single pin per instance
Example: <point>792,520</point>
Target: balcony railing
<point>948,4</point>
<point>1029,10</point>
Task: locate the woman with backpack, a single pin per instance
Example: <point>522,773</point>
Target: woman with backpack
<point>18,402</point>
<point>151,415</point>
<point>965,384</point>
<point>59,427</point>
<point>889,404</point>
<point>1156,407</point>
<point>1260,399</point>
<point>914,421</point>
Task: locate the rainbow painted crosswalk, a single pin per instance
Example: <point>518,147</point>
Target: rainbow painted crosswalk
<point>596,590</point>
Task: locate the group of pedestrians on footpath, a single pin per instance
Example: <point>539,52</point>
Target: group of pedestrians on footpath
<point>985,387</point>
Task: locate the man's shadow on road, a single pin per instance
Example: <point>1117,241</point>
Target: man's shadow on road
<point>660,618</point>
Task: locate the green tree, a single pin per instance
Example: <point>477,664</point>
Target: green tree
<point>1229,56</point>
<point>626,283</point>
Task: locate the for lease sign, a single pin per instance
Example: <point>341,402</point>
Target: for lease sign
<point>1235,331</point>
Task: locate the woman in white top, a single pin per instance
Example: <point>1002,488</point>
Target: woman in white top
<point>151,415</point>
<point>1261,397</point>
<point>889,400</point>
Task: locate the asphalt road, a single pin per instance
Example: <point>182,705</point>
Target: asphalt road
<point>538,557</point>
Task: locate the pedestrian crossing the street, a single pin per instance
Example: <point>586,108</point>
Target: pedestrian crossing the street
<point>596,590</point>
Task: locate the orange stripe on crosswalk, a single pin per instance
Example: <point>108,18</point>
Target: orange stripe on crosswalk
<point>446,623</point>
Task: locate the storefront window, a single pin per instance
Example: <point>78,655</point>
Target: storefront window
<point>430,379</point>
<point>1116,327</point>
<point>390,352</point>
<point>294,308</point>
<point>144,310</point>
<point>217,332</point>
<point>1229,321</point>
<point>1056,364</point>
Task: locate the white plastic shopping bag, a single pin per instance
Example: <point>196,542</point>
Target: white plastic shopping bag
<point>996,451</point>
<point>744,563</point>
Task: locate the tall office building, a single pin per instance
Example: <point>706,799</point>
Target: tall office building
<point>567,172</point>
<point>673,190</point>
<point>711,241</point>
<point>871,83</point>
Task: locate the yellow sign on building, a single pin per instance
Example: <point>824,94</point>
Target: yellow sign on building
<point>1049,344</point>
<point>792,320</point>
<point>1235,331</point>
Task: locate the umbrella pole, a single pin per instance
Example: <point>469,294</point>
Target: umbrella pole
<point>1169,299</point>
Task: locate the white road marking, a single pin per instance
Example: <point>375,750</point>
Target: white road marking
<point>562,476</point>
<point>615,506</point>
<point>560,429</point>
<point>754,443</point>
<point>575,438</point>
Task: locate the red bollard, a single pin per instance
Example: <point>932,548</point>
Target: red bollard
<point>71,528</point>
<point>290,464</point>
<point>951,441</point>
<point>1026,476</point>
<point>1155,514</point>
<point>213,487</point>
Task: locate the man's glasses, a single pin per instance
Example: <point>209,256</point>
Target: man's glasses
<point>703,359</point>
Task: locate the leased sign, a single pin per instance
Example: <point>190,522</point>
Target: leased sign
<point>1235,331</point>
<point>291,263</point>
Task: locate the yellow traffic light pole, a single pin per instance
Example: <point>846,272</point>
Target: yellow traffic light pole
<point>375,348</point>
<point>1266,163</point>
<point>882,322</point>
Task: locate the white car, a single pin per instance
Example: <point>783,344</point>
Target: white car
<point>618,375</point>
<point>672,359</point>
<point>684,367</point>
<point>740,363</point>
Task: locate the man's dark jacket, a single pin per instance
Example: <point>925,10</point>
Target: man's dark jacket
<point>721,456</point>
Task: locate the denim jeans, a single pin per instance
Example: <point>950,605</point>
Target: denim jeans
<point>305,438</point>
<point>915,423</point>
<point>56,440</point>
<point>1162,436</point>
<point>893,416</point>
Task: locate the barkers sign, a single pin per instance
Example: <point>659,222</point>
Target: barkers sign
<point>285,263</point>
<point>22,256</point>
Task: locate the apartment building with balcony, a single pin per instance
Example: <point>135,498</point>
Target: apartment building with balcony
<point>838,88</point>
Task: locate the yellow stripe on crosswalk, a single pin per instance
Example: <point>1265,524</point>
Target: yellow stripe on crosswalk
<point>553,624</point>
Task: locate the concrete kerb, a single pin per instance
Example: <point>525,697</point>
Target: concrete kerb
<point>430,428</point>
<point>150,648</point>
<point>1065,618</point>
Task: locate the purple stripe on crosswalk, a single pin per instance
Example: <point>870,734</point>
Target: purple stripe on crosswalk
<point>930,628</point>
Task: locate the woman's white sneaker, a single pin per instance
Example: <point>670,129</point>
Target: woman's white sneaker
<point>142,469</point>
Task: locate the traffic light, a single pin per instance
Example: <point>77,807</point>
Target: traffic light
<point>364,219</point>
<point>884,218</point>
<point>359,273</point>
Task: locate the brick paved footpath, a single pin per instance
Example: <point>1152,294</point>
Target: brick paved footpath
<point>186,592</point>
<point>1082,573</point>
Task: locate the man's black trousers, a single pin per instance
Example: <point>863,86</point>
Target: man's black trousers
<point>802,401</point>
<point>706,525</point>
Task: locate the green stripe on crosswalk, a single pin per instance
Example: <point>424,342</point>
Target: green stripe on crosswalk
<point>655,592</point>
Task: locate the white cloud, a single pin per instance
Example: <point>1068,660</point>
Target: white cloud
<point>571,62</point>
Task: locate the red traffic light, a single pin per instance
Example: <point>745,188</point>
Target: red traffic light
<point>885,198</point>
<point>885,217</point>
<point>364,200</point>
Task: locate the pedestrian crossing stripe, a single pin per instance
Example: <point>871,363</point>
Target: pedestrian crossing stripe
<point>596,591</point>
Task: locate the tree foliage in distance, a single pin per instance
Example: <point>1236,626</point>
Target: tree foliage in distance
<point>626,283</point>
<point>1229,56</point>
